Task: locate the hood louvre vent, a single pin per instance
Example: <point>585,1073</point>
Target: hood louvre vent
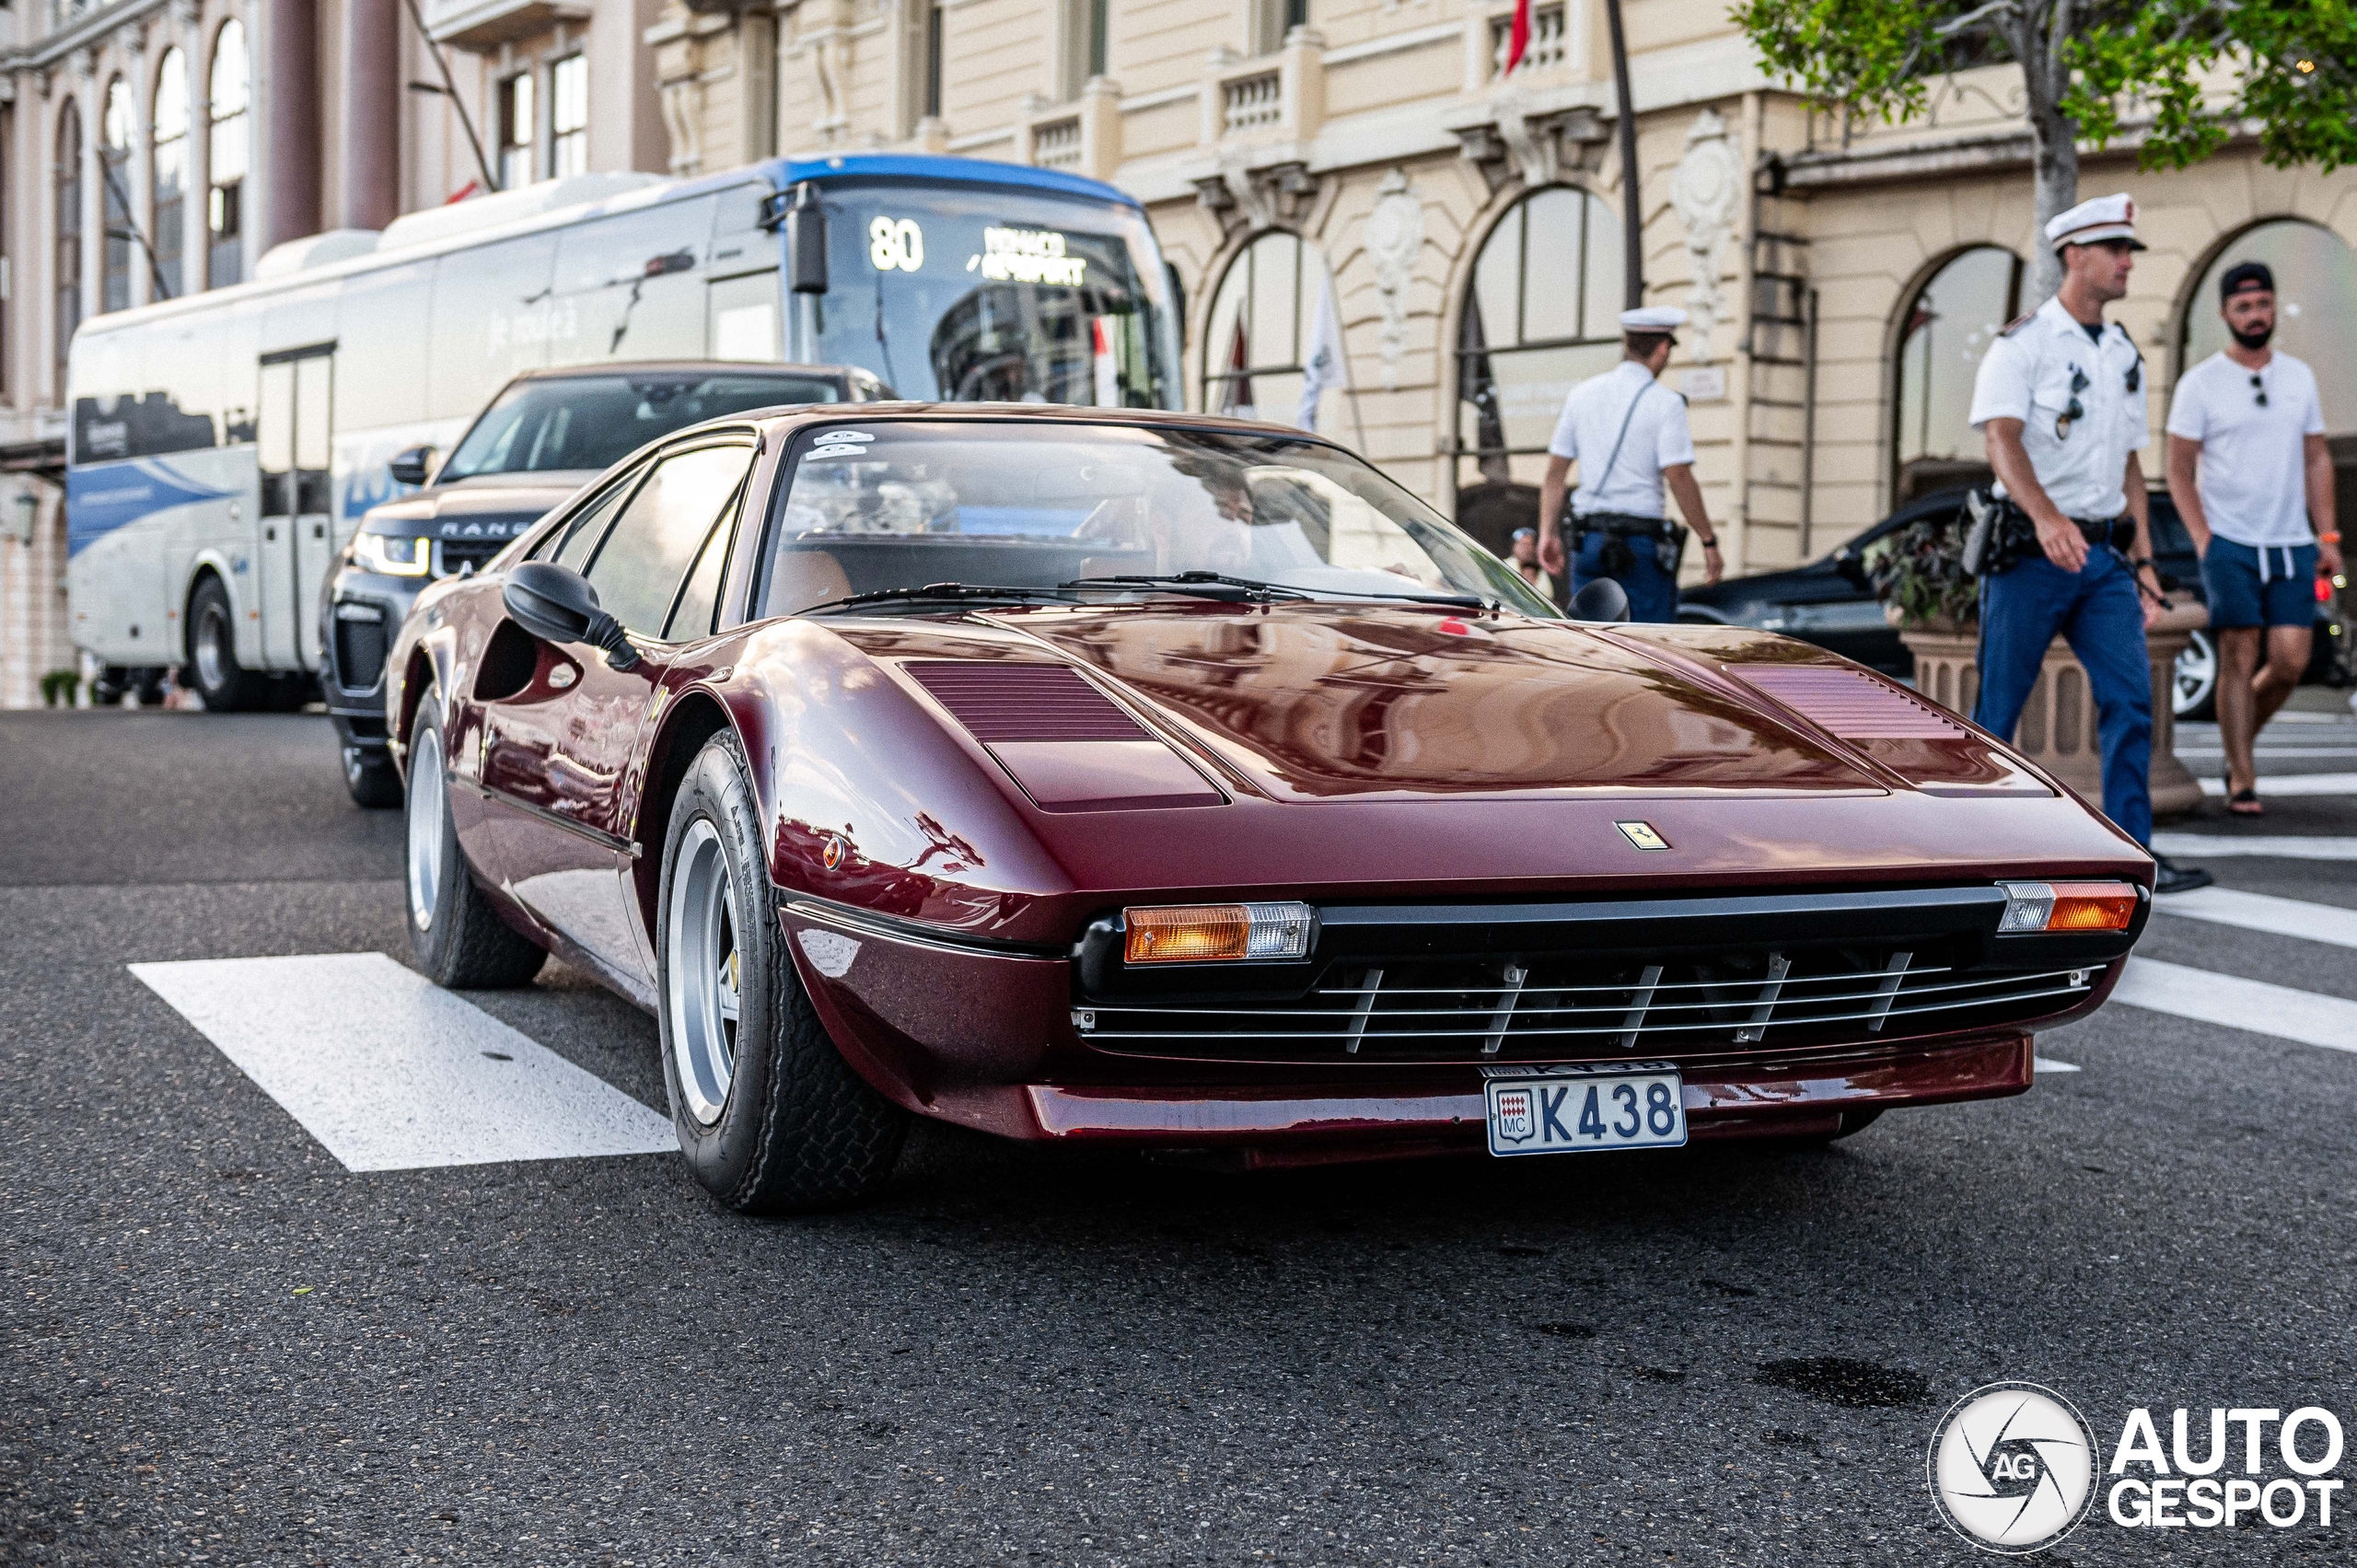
<point>1851,703</point>
<point>1005,703</point>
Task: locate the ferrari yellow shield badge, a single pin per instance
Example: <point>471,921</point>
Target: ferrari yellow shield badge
<point>1641,834</point>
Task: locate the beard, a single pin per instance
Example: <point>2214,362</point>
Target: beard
<point>2254,337</point>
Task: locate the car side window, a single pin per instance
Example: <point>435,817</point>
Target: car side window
<point>700,597</point>
<point>637,571</point>
<point>570,543</point>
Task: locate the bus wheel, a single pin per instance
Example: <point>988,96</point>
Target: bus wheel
<point>213,669</point>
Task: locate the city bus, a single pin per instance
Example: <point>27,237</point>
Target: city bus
<point>238,436</point>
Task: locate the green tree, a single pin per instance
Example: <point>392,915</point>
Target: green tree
<point>2192,71</point>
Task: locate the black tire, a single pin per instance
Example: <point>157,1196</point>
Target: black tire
<point>213,670</point>
<point>793,1127</point>
<point>112,682</point>
<point>459,939</point>
<point>371,779</point>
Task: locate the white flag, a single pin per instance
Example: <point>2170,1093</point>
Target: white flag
<point>1323,366</point>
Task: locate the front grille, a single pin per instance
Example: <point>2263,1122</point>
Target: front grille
<point>359,646</point>
<point>1567,1007</point>
<point>454,555</point>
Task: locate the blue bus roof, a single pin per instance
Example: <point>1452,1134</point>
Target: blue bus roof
<point>787,173</point>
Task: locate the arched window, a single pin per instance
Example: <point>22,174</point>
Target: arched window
<point>170,159</point>
<point>1263,328</point>
<point>226,146</point>
<point>1542,315</point>
<point>67,170</point>
<point>2316,308</point>
<point>1948,327</point>
<point>114,172</point>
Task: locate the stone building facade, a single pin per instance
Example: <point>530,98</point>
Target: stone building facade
<point>154,148</point>
<point>1466,226</point>
<point>1844,277</point>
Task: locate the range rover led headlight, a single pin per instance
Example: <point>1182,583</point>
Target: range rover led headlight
<point>396,555</point>
<point>2066,906</point>
<point>1201,933</point>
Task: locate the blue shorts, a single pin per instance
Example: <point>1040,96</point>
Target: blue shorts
<point>2230,576</point>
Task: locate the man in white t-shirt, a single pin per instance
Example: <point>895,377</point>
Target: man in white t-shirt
<point>1629,435</point>
<point>2249,471</point>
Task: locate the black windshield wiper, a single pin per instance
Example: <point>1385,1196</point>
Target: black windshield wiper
<point>1200,585</point>
<point>939,591</point>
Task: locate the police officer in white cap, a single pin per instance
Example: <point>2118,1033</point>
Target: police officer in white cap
<point>1629,435</point>
<point>2061,401</point>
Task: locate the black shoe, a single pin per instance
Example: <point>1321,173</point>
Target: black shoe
<point>2174,879</point>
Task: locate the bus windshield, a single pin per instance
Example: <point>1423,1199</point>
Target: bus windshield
<point>1029,504</point>
<point>966,293</point>
<point>593,422</point>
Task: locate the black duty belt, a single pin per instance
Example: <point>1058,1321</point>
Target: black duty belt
<point>1621,525</point>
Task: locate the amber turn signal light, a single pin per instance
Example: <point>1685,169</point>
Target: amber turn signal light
<point>1199,934</point>
<point>2067,906</point>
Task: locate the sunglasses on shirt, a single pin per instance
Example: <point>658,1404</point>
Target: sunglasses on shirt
<point>2257,389</point>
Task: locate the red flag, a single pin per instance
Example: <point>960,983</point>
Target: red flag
<point>1519,39</point>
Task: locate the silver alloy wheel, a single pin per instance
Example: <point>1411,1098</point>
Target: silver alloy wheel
<point>701,979</point>
<point>2195,673</point>
<point>212,656</point>
<point>428,808</point>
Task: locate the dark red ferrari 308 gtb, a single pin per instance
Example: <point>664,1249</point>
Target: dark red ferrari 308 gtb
<point>1186,784</point>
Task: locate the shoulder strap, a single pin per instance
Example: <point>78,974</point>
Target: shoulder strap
<point>1614,460</point>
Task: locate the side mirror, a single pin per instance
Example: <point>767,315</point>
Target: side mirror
<point>556,604</point>
<point>413,465</point>
<point>1850,566</point>
<point>1602,599</point>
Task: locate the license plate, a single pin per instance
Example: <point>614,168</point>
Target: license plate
<point>1570,1113</point>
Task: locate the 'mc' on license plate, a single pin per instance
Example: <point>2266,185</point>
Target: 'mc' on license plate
<point>1574,1113</point>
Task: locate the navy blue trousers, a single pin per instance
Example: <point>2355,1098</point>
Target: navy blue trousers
<point>2096,610</point>
<point>1653,591</point>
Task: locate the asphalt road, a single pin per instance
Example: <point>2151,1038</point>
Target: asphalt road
<point>217,1344</point>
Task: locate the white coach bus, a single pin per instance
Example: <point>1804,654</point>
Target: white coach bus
<point>238,434</point>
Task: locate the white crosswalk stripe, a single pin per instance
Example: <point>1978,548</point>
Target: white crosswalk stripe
<point>2291,783</point>
<point>2286,846</point>
<point>2261,911</point>
<point>2232,1001</point>
<point>390,1073</point>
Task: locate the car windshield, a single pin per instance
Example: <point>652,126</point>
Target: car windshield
<point>593,422</point>
<point>1032,505</point>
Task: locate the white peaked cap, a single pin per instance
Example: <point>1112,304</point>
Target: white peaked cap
<point>1652,318</point>
<point>2105,217</point>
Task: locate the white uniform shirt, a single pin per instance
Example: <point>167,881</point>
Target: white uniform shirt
<point>1657,436</point>
<point>2253,474</point>
<point>2034,372</point>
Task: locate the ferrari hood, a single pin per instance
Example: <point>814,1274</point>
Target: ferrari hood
<point>1320,702</point>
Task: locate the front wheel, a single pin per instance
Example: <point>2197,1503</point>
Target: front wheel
<point>213,669</point>
<point>459,939</point>
<point>2193,682</point>
<point>770,1116</point>
<point>370,778</point>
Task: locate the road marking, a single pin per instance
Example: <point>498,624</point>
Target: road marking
<point>2046,1066</point>
<point>2292,783</point>
<point>390,1073</point>
<point>2259,912</point>
<point>2284,846</point>
<point>2209,997</point>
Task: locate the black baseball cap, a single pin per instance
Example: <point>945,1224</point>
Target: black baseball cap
<point>2245,276</point>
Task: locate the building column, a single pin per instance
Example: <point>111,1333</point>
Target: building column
<point>91,99</point>
<point>286,153</point>
<point>139,173</point>
<point>372,113</point>
<point>196,201</point>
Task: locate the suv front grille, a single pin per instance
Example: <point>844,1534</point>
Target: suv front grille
<point>452,556</point>
<point>1589,1006</point>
